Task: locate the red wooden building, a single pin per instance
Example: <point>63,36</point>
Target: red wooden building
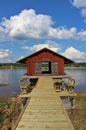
<point>45,61</point>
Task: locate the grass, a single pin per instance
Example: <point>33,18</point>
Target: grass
<point>10,109</point>
<point>78,117</point>
<point>3,102</point>
<point>1,117</point>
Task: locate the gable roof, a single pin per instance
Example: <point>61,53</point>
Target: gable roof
<point>66,60</point>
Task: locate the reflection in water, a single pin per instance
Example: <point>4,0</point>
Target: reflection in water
<point>12,77</point>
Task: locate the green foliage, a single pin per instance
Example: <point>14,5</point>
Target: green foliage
<point>12,65</point>
<point>19,65</point>
<point>1,117</point>
<point>82,64</point>
<point>5,102</point>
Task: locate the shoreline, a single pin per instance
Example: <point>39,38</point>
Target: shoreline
<point>77,68</point>
<point>68,67</point>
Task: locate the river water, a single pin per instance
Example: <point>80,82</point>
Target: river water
<point>12,77</point>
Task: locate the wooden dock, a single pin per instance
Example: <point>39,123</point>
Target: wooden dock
<point>45,111</point>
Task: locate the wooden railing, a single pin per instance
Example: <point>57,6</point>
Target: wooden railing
<point>70,84</point>
<point>58,84</point>
<point>25,84</point>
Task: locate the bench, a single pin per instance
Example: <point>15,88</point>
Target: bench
<point>25,84</point>
<point>58,85</point>
<point>70,84</point>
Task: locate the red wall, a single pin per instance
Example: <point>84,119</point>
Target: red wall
<point>44,56</point>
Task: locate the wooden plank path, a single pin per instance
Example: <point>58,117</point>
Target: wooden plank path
<point>45,111</point>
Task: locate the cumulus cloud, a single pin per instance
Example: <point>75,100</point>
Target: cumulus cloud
<point>83,12</point>
<point>82,35</point>
<point>20,58</point>
<point>71,52</point>
<point>48,44</point>
<point>81,4</point>
<point>75,54</point>
<point>3,33</point>
<point>5,55</point>
<point>28,24</point>
<point>62,33</point>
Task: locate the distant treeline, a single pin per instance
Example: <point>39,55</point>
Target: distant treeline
<point>82,64</point>
<point>12,65</point>
<point>19,65</point>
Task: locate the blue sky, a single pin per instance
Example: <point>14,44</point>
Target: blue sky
<point>27,26</point>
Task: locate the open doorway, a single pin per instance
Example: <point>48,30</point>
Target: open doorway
<point>46,67</point>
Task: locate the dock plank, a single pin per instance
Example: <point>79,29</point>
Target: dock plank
<point>45,111</point>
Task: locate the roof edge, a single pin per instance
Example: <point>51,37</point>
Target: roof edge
<point>22,60</point>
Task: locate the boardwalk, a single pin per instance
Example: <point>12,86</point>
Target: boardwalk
<point>45,110</point>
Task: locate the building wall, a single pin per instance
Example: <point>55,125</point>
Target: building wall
<point>42,57</point>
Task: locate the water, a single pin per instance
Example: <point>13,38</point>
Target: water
<point>12,77</point>
<point>80,76</point>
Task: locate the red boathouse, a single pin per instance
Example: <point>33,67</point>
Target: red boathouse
<point>45,61</point>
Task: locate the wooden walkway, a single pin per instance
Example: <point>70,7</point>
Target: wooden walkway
<point>45,111</point>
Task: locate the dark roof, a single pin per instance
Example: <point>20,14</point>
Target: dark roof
<point>66,60</point>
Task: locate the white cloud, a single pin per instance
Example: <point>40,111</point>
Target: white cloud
<point>83,12</point>
<point>5,55</point>
<point>28,24</point>
<point>3,34</point>
<point>20,58</point>
<point>82,35</point>
<point>48,44</point>
<point>62,33</point>
<point>70,52</point>
<point>79,3</point>
<point>75,54</point>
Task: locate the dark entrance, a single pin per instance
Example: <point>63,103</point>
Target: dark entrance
<point>46,67</point>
